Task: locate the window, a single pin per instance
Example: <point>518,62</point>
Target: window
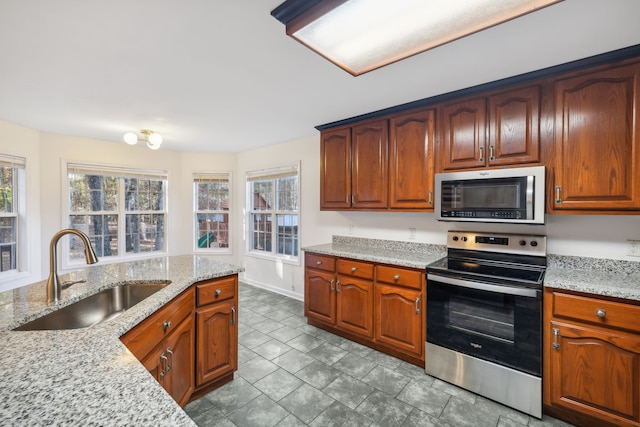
<point>121,210</point>
<point>11,188</point>
<point>212,199</point>
<point>274,211</point>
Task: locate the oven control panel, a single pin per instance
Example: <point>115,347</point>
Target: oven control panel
<point>524,244</point>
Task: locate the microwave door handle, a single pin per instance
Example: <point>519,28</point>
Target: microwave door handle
<point>509,290</point>
<point>530,201</point>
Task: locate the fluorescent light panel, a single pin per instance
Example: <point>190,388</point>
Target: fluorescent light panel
<point>362,35</point>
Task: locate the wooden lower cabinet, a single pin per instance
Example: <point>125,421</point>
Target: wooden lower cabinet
<point>171,362</point>
<point>375,305</point>
<point>592,360</point>
<point>190,355</point>
<point>399,318</point>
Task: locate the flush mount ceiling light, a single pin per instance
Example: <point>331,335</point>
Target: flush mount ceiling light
<point>362,35</point>
<point>152,139</point>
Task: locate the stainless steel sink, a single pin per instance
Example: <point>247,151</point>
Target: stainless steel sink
<point>105,305</point>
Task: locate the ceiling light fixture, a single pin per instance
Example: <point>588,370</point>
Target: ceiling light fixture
<point>152,139</point>
<point>362,35</point>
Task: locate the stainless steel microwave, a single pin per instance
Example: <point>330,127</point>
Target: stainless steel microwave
<point>514,195</point>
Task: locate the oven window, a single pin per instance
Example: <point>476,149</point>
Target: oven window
<point>482,314</point>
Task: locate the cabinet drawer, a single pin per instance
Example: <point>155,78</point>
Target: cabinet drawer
<point>348,267</point>
<point>147,334</point>
<point>215,290</point>
<point>594,310</point>
<point>320,262</point>
<point>399,276</point>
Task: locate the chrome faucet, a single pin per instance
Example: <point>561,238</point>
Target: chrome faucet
<point>54,287</point>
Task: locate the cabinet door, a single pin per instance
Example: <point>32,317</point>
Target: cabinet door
<point>399,318</point>
<point>411,166</point>
<point>180,364</point>
<point>355,305</point>
<point>369,174</point>
<point>319,296</point>
<point>464,135</point>
<point>596,142</point>
<point>514,127</point>
<point>335,169</point>
<point>594,372</point>
<point>217,341</point>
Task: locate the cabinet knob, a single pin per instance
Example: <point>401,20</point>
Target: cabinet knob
<point>218,292</point>
<point>601,313</point>
<point>166,325</point>
<point>396,277</point>
<point>353,269</point>
<point>318,262</point>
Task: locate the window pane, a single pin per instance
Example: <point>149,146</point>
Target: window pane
<point>213,196</point>
<point>287,234</point>
<point>287,193</point>
<point>213,230</point>
<point>92,193</point>
<point>262,195</point>
<point>143,194</point>
<point>102,231</point>
<point>8,235</point>
<point>7,188</point>
<point>144,233</point>
<point>261,240</point>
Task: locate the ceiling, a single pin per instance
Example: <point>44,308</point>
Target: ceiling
<point>221,76</point>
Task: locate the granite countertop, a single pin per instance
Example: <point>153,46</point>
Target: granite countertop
<point>604,277</point>
<point>404,254</point>
<point>87,376</point>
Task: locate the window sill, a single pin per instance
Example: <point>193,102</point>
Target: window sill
<point>282,259</point>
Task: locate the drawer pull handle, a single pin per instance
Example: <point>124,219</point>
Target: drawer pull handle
<point>166,325</point>
<point>417,305</point>
<point>396,277</point>
<point>218,292</point>
<point>556,335</point>
<point>170,362</point>
<point>338,286</point>
<point>353,269</point>
<point>233,315</point>
<point>333,285</point>
<point>163,363</point>
<point>601,313</point>
<point>318,262</point>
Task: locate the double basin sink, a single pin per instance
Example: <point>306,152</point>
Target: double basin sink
<point>97,308</point>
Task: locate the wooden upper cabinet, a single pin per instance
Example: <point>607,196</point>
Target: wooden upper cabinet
<point>514,127</point>
<point>369,185</point>
<point>464,134</point>
<point>411,165</point>
<point>498,130</point>
<point>335,169</point>
<point>597,153</point>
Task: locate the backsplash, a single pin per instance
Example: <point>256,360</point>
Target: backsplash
<point>627,268</point>
<point>392,245</point>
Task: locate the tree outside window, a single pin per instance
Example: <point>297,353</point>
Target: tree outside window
<point>212,200</point>
<point>274,211</point>
<point>122,211</point>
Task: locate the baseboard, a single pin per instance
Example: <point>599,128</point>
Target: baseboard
<point>275,289</point>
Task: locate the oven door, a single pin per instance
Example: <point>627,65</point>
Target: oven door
<point>500,324</point>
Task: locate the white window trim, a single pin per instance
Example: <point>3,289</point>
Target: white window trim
<point>272,173</point>
<point>212,251</point>
<point>21,270</point>
<point>114,170</point>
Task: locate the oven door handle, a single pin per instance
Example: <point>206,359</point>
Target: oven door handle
<point>510,290</point>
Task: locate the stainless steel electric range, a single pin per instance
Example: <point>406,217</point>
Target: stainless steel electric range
<point>484,316</point>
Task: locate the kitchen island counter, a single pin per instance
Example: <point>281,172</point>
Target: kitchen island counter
<point>87,376</point>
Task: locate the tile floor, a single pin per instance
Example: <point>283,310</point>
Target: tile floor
<point>293,374</point>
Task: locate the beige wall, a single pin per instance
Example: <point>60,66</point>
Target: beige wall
<point>599,236</point>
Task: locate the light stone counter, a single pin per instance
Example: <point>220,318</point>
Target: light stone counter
<point>404,254</point>
<point>606,277</point>
<point>87,376</point>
